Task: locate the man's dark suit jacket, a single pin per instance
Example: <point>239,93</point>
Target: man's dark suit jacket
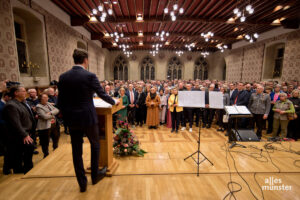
<point>142,100</point>
<point>76,88</point>
<point>135,96</point>
<point>18,120</point>
<point>242,100</point>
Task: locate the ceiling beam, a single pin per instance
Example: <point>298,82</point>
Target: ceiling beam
<point>149,45</point>
<point>100,36</point>
<point>82,20</point>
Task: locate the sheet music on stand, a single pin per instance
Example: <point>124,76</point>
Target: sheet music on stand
<point>216,100</point>
<point>99,103</point>
<point>195,99</point>
<point>237,110</point>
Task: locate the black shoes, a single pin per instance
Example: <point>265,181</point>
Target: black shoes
<point>6,171</point>
<point>83,188</point>
<point>100,176</point>
<point>176,131</point>
<point>203,125</point>
<point>172,130</point>
<point>208,126</point>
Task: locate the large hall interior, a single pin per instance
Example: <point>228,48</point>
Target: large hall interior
<point>194,99</point>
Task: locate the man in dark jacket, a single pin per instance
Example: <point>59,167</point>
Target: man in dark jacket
<point>75,100</point>
<point>239,97</point>
<point>140,106</point>
<point>132,97</point>
<point>19,122</point>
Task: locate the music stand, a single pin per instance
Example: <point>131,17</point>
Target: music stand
<point>186,99</point>
<point>235,112</point>
<point>198,152</point>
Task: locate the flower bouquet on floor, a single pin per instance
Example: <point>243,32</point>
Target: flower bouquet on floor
<point>125,142</point>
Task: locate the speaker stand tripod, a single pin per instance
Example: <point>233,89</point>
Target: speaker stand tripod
<point>234,144</point>
<point>198,152</point>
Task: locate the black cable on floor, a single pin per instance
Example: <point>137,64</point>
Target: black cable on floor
<point>231,191</point>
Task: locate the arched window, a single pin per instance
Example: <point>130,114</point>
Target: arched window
<point>174,69</point>
<point>120,68</point>
<point>147,69</point>
<point>201,69</point>
<point>30,42</point>
<point>273,61</point>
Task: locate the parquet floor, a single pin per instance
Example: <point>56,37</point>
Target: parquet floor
<point>162,173</point>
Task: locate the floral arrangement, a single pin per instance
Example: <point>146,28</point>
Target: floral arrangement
<point>125,142</point>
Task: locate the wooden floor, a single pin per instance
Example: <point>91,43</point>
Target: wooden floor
<point>163,173</point>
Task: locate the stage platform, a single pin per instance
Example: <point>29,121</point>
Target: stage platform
<point>163,174</point>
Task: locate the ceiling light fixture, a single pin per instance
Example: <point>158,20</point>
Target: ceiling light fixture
<point>222,47</point>
<point>93,19</point>
<point>252,37</point>
<point>204,54</point>
<point>242,13</point>
<point>100,12</point>
<point>140,34</point>
<point>95,11</point>
<point>110,11</point>
<point>181,10</point>
<point>175,6</point>
<point>179,53</point>
<point>100,8</point>
<point>174,11</point>
<point>207,36</point>
<point>190,46</point>
<point>139,17</point>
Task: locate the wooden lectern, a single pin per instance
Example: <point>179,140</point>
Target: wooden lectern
<point>106,137</point>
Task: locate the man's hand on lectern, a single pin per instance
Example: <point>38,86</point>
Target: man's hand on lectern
<point>117,101</point>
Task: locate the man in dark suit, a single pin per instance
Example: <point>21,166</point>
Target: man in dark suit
<point>19,123</point>
<point>75,100</point>
<point>140,106</point>
<point>132,97</point>
<point>239,97</point>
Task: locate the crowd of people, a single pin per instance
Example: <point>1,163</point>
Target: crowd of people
<point>274,107</point>
<point>24,115</point>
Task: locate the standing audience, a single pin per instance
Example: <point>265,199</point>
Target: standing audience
<point>175,110</point>
<point>259,105</point>
<point>282,109</point>
<point>152,102</point>
<point>294,124</point>
<point>46,125</point>
<point>162,106</point>
<point>19,123</point>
